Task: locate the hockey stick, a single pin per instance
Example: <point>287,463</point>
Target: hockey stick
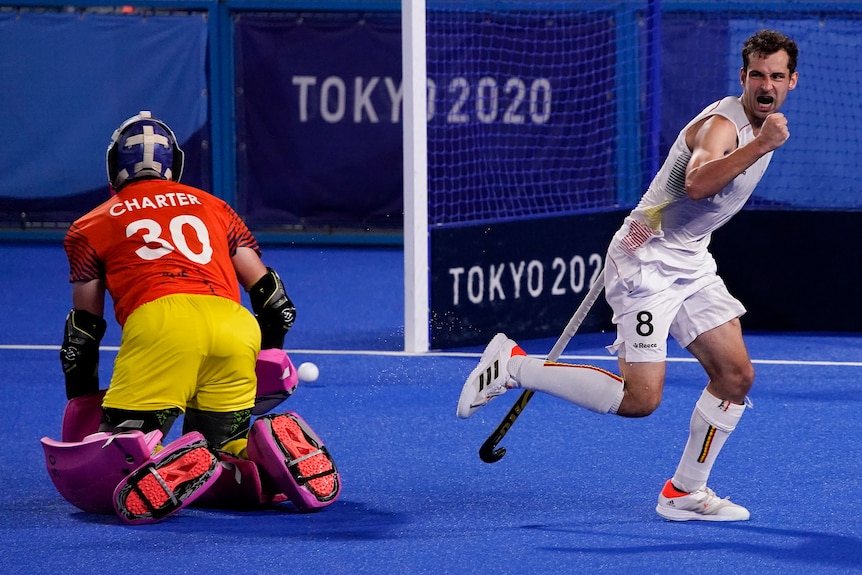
<point>489,452</point>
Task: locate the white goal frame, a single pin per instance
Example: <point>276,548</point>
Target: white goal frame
<point>416,238</point>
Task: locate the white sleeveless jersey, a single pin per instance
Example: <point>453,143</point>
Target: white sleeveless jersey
<point>669,227</point>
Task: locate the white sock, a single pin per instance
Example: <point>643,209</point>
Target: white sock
<point>590,387</point>
<point>712,422</point>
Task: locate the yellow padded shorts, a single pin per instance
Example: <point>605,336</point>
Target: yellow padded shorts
<point>182,351</point>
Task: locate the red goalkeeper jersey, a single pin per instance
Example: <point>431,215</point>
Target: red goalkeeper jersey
<point>157,238</point>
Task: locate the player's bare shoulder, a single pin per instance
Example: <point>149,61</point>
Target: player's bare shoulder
<point>716,134</point>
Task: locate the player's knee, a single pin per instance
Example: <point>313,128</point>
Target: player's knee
<point>733,382</point>
<point>738,383</point>
<point>640,408</point>
<point>747,377</point>
<point>639,403</point>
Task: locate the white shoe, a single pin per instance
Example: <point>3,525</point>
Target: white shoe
<point>490,377</point>
<point>700,505</point>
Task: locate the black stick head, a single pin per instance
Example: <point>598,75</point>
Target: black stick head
<point>489,453</point>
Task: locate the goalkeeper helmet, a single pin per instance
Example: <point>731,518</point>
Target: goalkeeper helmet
<point>143,147</point>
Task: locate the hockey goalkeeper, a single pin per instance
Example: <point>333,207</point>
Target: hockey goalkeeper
<point>173,258</point>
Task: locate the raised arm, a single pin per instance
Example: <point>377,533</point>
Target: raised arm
<point>716,158</point>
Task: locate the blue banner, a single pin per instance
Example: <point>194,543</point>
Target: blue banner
<point>319,119</point>
<point>80,76</point>
<point>525,277</point>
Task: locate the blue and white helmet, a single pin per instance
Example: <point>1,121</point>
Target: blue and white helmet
<point>143,147</point>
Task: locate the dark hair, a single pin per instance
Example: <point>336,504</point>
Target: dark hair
<point>768,42</point>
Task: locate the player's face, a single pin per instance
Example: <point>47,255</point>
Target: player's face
<point>765,84</point>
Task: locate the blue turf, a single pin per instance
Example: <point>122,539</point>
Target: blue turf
<point>574,494</point>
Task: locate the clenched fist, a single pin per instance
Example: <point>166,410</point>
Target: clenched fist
<point>774,131</point>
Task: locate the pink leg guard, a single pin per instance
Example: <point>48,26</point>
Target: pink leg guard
<point>276,380</point>
<point>174,478</point>
<point>239,486</point>
<point>85,473</point>
<point>295,459</point>
<point>82,416</point>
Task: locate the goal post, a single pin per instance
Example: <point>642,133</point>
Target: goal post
<point>416,247</point>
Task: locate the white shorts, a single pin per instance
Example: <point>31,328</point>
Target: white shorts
<point>650,302</point>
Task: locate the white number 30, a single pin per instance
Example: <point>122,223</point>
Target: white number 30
<point>152,235</point>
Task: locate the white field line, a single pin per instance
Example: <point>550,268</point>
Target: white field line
<point>575,358</point>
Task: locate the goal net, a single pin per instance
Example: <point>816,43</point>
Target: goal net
<point>547,119</point>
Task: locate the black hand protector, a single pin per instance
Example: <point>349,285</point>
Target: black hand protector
<point>274,311</point>
<point>79,354</point>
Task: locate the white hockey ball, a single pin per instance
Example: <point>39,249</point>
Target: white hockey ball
<point>308,372</point>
